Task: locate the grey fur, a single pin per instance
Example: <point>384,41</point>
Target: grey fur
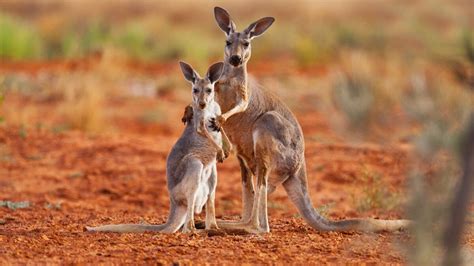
<point>191,165</point>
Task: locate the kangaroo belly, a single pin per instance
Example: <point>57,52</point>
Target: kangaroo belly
<point>240,129</point>
<point>203,190</point>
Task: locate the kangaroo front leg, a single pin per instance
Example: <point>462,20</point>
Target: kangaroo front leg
<point>203,131</point>
<point>226,144</point>
<point>241,105</point>
<point>188,114</point>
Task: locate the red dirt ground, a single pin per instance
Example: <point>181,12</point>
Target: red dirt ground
<point>120,177</point>
<point>113,179</point>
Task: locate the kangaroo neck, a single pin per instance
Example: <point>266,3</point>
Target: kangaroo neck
<point>198,115</point>
<point>227,89</point>
<point>231,72</point>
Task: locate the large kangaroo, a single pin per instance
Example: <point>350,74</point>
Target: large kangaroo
<point>191,164</point>
<point>268,139</point>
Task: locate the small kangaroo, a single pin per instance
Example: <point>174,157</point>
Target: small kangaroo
<point>191,164</point>
<point>268,140</point>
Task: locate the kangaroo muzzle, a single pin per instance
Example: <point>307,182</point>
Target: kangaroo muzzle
<point>202,105</point>
<point>235,60</point>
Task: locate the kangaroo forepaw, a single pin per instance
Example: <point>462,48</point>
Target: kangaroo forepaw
<point>216,123</point>
<point>221,156</point>
<point>188,114</point>
<point>227,152</point>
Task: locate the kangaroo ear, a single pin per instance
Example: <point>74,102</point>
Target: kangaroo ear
<point>259,27</point>
<point>188,72</point>
<point>215,71</point>
<point>223,20</point>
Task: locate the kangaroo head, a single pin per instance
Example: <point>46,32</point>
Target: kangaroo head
<point>202,88</point>
<point>237,46</point>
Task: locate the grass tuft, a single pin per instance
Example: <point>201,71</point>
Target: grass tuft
<point>375,194</point>
<point>83,106</point>
<point>15,205</point>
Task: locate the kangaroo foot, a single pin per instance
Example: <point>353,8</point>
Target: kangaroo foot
<point>212,226</point>
<point>202,225</point>
<point>239,225</point>
<point>189,227</point>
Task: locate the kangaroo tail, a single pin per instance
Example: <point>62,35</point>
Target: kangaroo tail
<point>174,222</point>
<point>127,228</point>
<point>296,187</point>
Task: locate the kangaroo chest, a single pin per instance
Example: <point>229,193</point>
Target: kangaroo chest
<point>239,126</point>
<point>205,115</point>
<point>226,96</point>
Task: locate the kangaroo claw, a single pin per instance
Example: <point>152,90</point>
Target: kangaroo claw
<point>221,156</point>
<point>216,126</point>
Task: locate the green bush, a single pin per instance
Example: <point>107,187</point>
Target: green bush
<point>134,40</point>
<point>79,44</point>
<point>353,95</point>
<point>18,40</point>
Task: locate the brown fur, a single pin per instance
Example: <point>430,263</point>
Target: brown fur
<point>268,140</point>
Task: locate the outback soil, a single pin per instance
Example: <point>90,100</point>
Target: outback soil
<point>73,179</point>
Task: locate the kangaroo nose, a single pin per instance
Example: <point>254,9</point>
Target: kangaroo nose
<point>202,105</point>
<point>235,60</point>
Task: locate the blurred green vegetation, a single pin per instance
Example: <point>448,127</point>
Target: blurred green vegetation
<point>19,40</point>
<point>415,30</point>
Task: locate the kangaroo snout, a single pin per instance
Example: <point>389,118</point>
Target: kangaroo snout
<point>235,60</point>
<point>202,105</point>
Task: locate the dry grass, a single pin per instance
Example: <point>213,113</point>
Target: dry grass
<point>83,104</point>
<point>376,193</point>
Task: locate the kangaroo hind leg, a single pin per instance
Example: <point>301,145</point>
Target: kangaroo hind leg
<point>211,222</point>
<point>189,188</point>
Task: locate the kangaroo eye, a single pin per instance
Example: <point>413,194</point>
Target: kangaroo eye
<point>227,43</point>
<point>246,44</point>
<point>208,90</point>
<point>195,90</point>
